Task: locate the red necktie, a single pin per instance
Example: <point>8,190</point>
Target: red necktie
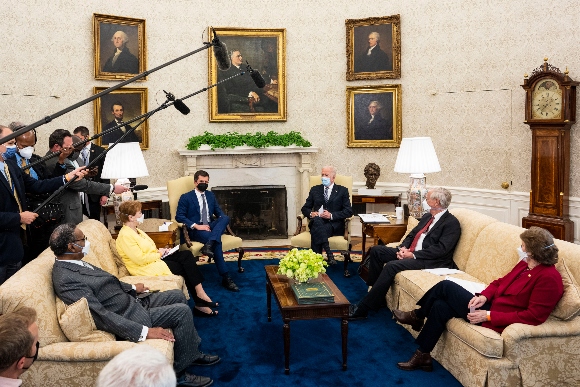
<point>418,235</point>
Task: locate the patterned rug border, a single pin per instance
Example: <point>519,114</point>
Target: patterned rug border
<point>273,253</point>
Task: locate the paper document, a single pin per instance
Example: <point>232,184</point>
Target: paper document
<point>443,271</point>
<point>169,252</point>
<point>374,218</point>
<point>470,286</point>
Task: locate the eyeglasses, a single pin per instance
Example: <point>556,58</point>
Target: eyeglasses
<point>82,239</point>
<point>35,356</point>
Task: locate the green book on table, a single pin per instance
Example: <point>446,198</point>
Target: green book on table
<point>312,293</point>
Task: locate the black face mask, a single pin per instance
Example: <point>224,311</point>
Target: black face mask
<point>202,186</point>
<point>75,155</point>
<point>33,357</point>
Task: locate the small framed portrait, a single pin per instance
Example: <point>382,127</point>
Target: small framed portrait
<point>117,107</point>
<point>373,48</point>
<point>374,116</point>
<point>238,97</point>
<point>119,43</point>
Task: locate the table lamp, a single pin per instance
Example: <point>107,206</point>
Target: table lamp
<point>417,156</point>
<point>124,161</point>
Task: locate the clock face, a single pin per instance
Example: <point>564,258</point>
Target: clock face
<point>547,100</point>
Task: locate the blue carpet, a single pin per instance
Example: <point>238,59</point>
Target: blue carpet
<point>252,349</point>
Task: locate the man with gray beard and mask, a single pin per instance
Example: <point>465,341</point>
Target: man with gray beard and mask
<point>429,245</point>
<point>71,198</point>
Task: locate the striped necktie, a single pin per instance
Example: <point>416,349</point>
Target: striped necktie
<point>23,164</point>
<point>325,194</point>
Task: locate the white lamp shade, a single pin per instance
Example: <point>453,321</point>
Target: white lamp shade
<point>125,160</point>
<point>417,156</point>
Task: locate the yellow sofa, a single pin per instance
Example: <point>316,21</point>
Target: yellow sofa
<point>61,362</point>
<point>523,355</point>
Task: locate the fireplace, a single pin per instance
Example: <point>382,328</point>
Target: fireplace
<point>255,211</point>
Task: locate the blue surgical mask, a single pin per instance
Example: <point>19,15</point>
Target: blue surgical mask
<point>10,152</point>
<point>326,181</point>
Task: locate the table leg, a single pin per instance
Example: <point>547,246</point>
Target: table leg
<point>269,300</point>
<point>286,330</point>
<point>344,332</point>
<point>364,239</point>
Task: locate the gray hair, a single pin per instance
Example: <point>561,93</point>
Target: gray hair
<point>376,103</point>
<point>376,35</point>
<point>332,169</point>
<point>442,195</point>
<point>123,35</point>
<point>15,125</point>
<point>141,365</point>
<point>61,237</point>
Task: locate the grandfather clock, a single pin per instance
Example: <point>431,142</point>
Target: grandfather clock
<point>550,112</point>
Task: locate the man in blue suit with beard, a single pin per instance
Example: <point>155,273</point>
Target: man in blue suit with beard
<point>195,209</point>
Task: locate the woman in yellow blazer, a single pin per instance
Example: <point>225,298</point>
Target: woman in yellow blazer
<point>142,257</point>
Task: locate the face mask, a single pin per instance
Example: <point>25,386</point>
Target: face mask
<point>325,181</point>
<point>10,152</point>
<point>141,219</point>
<point>426,206</point>
<point>75,155</point>
<point>33,357</point>
<point>522,254</point>
<point>202,186</point>
<point>85,250</point>
<point>26,152</point>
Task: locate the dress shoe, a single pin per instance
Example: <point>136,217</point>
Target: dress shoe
<point>207,249</point>
<point>409,318</point>
<point>228,283</point>
<point>420,360</point>
<point>356,313</point>
<point>190,380</point>
<point>331,260</point>
<point>206,360</point>
<point>201,313</point>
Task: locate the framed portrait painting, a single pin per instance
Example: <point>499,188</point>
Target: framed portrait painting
<point>120,106</point>
<point>374,116</point>
<point>119,44</point>
<point>373,48</point>
<point>237,97</point>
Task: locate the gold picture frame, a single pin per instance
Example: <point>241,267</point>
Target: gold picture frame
<point>239,99</point>
<point>112,34</point>
<point>381,130</point>
<point>133,101</point>
<point>364,59</point>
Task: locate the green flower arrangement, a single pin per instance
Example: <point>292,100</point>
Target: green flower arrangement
<point>256,140</point>
<point>302,265</point>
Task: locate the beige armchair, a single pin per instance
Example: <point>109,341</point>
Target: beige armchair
<point>341,243</point>
<point>176,188</point>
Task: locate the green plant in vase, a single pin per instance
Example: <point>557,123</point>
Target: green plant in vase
<point>256,140</point>
<point>302,265</point>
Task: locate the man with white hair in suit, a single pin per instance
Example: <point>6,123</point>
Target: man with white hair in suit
<point>122,61</point>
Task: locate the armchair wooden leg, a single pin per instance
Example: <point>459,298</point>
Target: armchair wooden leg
<point>240,256</point>
<point>346,255</point>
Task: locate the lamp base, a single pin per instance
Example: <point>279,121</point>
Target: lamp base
<point>416,194</point>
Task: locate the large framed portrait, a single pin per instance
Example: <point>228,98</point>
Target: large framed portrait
<point>374,116</point>
<point>119,106</point>
<point>373,48</point>
<point>238,98</point>
<point>119,44</point>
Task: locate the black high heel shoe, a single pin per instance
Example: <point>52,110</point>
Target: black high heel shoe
<point>199,313</point>
<point>199,302</point>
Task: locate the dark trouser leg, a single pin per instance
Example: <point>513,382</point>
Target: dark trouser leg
<point>320,231</point>
<point>169,310</point>
<point>375,298</point>
<point>440,304</point>
<point>218,227</point>
<point>8,271</point>
<point>94,210</point>
<point>379,255</point>
<point>183,263</point>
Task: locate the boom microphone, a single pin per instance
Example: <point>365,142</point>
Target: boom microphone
<point>139,187</point>
<point>179,105</point>
<point>220,51</point>
<point>256,76</point>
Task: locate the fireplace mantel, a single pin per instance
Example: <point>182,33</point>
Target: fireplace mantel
<point>288,166</point>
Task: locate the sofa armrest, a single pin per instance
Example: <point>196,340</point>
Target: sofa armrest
<point>299,219</point>
<point>103,351</point>
<point>162,283</point>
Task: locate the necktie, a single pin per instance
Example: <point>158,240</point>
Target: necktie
<point>8,177</point>
<point>423,230</point>
<point>23,164</point>
<point>325,194</point>
<point>85,155</point>
<point>203,210</point>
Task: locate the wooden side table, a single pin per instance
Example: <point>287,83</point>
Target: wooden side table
<point>386,232</point>
<point>162,239</point>
<point>359,202</point>
<point>146,207</point>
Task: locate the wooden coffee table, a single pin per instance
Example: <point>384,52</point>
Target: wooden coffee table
<point>279,285</point>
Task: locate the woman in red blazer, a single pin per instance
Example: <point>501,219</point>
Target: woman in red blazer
<point>526,295</point>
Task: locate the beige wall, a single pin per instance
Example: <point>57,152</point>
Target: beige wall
<point>462,67</point>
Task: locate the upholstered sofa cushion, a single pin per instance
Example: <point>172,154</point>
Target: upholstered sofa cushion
<point>486,341</point>
<point>100,253</point>
<point>569,304</point>
<point>77,322</point>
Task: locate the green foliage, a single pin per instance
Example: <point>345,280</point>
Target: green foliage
<point>256,140</point>
<point>302,265</point>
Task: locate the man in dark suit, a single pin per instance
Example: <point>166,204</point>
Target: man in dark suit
<point>128,311</point>
<point>89,153</point>
<point>374,126</point>
<point>326,207</point>
<point>14,218</point>
<point>373,58</point>
<point>122,61</point>
<point>195,209</point>
<point>109,138</point>
<point>429,245</point>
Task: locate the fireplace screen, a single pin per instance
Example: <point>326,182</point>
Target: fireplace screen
<point>255,211</point>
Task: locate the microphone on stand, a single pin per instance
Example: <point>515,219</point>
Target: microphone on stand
<point>179,105</point>
<point>256,76</point>
<point>139,187</point>
<point>220,51</point>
